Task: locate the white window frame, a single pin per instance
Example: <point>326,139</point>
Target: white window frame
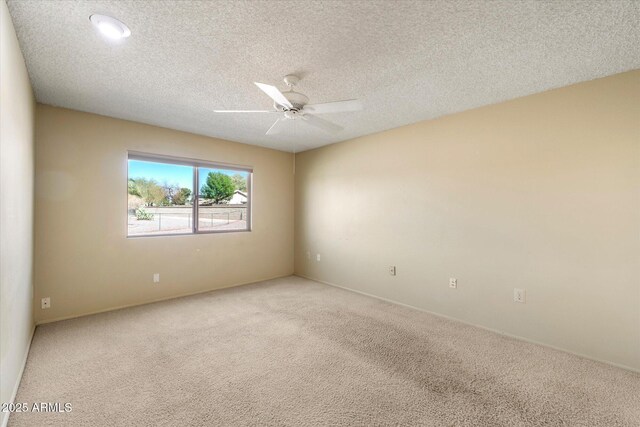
<point>196,165</point>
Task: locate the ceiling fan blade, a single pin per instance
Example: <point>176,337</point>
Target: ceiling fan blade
<point>277,127</point>
<point>245,111</point>
<point>334,107</point>
<point>322,124</point>
<point>275,94</point>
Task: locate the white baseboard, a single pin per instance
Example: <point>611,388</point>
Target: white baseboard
<point>5,415</point>
<point>497,331</point>
<point>152,301</point>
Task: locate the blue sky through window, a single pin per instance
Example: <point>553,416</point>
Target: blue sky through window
<point>161,172</point>
<point>172,174</point>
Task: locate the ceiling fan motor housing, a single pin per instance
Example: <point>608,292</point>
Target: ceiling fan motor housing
<point>295,107</point>
<point>298,100</point>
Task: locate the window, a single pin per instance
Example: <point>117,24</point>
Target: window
<point>179,196</point>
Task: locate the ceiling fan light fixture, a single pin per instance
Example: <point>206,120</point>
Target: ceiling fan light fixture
<point>110,27</point>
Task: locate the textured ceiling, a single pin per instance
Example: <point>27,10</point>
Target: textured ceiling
<point>406,60</point>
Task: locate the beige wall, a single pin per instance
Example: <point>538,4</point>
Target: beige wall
<point>540,193</point>
<point>83,260</point>
<point>16,209</point>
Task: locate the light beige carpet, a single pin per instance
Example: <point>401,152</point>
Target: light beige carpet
<point>295,352</point>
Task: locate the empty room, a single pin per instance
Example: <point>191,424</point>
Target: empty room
<point>320,213</point>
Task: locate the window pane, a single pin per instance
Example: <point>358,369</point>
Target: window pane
<point>160,198</point>
<point>223,201</point>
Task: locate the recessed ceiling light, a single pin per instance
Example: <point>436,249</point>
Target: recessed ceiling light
<point>110,27</point>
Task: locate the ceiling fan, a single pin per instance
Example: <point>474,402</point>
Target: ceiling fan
<point>292,105</point>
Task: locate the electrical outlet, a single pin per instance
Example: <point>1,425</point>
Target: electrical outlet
<point>318,257</point>
<point>45,302</point>
<point>392,270</point>
<point>308,255</point>
<point>156,277</point>
<point>453,282</point>
<point>519,295</point>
